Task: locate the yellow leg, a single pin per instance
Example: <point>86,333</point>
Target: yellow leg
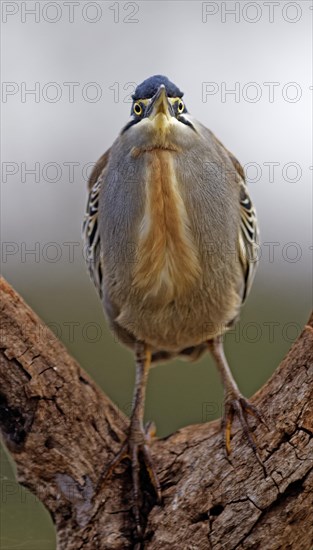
<point>229,422</point>
<point>234,402</point>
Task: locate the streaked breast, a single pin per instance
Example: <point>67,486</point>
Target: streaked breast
<point>167,257</point>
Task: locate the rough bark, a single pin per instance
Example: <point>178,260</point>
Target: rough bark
<point>62,431</point>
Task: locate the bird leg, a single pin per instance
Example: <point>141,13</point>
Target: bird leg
<point>234,402</point>
<point>138,439</point>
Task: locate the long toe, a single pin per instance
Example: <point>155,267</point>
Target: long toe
<point>236,404</point>
<point>136,449</point>
<point>141,453</point>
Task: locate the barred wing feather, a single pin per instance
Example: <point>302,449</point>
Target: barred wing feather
<point>93,253</point>
<point>248,239</point>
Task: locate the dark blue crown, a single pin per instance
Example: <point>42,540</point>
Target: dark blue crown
<point>149,87</point>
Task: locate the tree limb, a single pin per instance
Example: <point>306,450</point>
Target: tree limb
<point>62,431</point>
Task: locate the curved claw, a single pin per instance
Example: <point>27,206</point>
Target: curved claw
<point>251,409</point>
<point>131,449</point>
<point>241,407</point>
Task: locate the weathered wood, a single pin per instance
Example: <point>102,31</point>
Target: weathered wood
<point>62,431</point>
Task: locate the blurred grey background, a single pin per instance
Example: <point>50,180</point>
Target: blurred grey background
<point>245,68</point>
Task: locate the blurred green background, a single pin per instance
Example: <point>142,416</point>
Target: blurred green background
<point>173,38</point>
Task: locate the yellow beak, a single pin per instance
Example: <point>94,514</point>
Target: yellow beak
<point>160,105</point>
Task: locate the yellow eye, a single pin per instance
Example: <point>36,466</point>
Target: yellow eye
<point>137,109</point>
<point>180,106</point>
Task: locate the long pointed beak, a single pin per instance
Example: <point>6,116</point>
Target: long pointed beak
<point>160,105</point>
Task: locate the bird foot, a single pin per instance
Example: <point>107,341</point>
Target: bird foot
<point>136,446</point>
<point>236,404</point>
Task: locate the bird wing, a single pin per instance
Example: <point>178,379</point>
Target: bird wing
<point>248,239</point>
<point>248,236</point>
<point>93,253</point>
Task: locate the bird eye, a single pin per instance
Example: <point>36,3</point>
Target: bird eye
<point>180,106</point>
<point>137,109</point>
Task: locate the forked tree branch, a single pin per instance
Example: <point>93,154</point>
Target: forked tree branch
<point>62,431</point>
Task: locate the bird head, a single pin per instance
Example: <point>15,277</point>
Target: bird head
<point>159,117</point>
